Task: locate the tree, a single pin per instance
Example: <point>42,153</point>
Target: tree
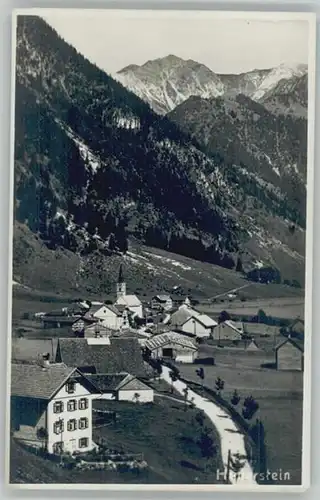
<point>235,398</point>
<point>239,266</point>
<point>185,396</point>
<point>206,444</point>
<point>262,317</point>
<point>112,242</point>
<point>42,435</point>
<point>136,397</point>
<point>201,374</point>
<point>200,418</point>
<point>250,407</point>
<point>219,385</point>
<point>223,316</point>
<point>174,377</point>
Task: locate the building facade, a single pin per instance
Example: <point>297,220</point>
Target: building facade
<point>51,407</point>
<point>289,356</point>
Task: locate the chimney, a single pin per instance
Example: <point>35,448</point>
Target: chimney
<point>45,360</point>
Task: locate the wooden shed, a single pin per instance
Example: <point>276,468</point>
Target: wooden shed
<point>289,355</point>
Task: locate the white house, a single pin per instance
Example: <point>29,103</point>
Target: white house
<point>172,345</point>
<point>121,387</point>
<point>188,320</point>
<point>51,407</point>
<point>200,326</point>
<point>162,302</point>
<point>131,302</point>
<point>109,316</point>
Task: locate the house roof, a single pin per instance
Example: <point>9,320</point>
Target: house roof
<point>237,327</point>
<point>105,382</point>
<point>32,349</point>
<point>296,344</point>
<point>34,381</point>
<point>182,315</point>
<point>129,300</point>
<point>169,338</point>
<point>122,354</point>
<point>205,320</point>
<point>162,297</point>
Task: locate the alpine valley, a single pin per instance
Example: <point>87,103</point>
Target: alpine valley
<point>164,157</point>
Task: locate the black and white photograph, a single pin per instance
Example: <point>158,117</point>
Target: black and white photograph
<point>160,300</point>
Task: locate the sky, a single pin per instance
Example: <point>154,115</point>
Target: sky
<point>113,41</point>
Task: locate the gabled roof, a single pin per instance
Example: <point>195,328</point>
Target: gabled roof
<point>169,338</point>
<point>129,300</point>
<point>32,349</point>
<point>180,316</point>
<point>237,327</point>
<point>34,381</point>
<point>122,354</point>
<point>162,297</point>
<point>108,381</point>
<point>291,341</point>
<point>205,320</point>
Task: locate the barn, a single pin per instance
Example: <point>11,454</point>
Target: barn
<point>121,387</point>
<point>289,355</point>
<point>228,331</point>
<point>172,345</point>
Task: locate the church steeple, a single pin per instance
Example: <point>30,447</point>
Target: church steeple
<point>121,285</point>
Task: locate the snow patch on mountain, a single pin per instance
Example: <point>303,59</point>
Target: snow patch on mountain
<point>282,72</point>
<point>86,153</point>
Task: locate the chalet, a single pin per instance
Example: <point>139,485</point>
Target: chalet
<point>162,302</point>
<point>51,407</point>
<point>227,331</point>
<point>181,315</point>
<point>121,387</point>
<point>172,345</point>
<point>289,355</point>
<point>115,355</point>
<point>200,326</point>
<point>61,321</point>
<point>131,302</point>
<point>110,316</point>
<point>191,322</point>
<point>80,324</point>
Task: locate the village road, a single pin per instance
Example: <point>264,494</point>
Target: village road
<point>231,438</point>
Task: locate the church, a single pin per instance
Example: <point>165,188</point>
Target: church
<point>132,302</point>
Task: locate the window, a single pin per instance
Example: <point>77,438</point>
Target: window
<point>83,443</point>
<point>58,447</point>
<point>58,407</point>
<point>72,425</point>
<point>72,405</point>
<point>83,423</point>
<point>70,387</point>
<point>83,404</point>
<point>58,427</point>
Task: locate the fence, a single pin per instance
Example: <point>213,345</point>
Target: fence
<point>254,442</point>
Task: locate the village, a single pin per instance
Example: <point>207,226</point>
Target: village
<point>67,391</point>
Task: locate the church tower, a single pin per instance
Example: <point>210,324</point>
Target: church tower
<point>121,285</point>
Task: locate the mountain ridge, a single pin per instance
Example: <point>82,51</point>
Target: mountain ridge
<point>167,81</point>
<point>97,166</point>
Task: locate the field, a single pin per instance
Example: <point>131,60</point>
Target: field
<point>165,433</point>
<point>280,307</point>
<point>279,395</point>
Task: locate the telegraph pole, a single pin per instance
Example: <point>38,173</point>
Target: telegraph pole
<point>228,466</point>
